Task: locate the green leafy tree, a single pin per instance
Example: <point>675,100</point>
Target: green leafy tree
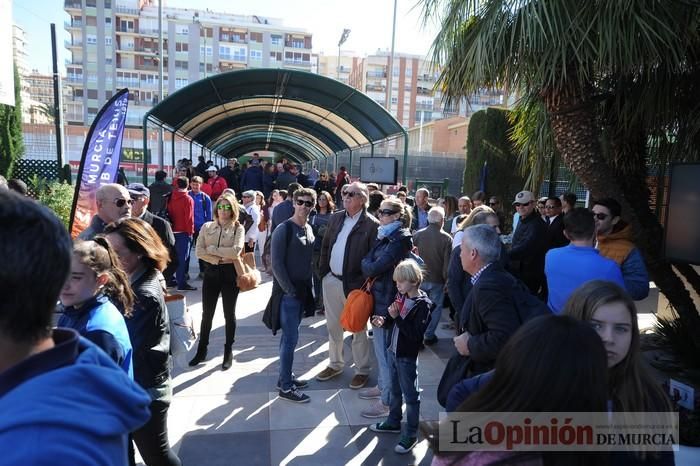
<point>11,142</point>
<point>617,84</point>
<point>488,142</point>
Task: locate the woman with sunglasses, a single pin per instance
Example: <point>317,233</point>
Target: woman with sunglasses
<point>324,184</point>
<point>143,257</point>
<point>220,243</point>
<point>319,222</point>
<point>394,244</point>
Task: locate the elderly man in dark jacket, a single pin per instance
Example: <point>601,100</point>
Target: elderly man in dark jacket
<point>529,243</point>
<point>350,235</point>
<point>491,315</point>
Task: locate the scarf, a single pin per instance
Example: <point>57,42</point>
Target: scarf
<point>385,230</point>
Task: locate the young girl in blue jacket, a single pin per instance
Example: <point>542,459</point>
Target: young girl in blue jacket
<point>408,317</point>
<point>90,296</point>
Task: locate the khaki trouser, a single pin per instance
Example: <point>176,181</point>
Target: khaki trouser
<point>333,301</point>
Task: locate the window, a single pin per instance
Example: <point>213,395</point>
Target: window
<point>108,41</point>
<point>182,29</point>
<point>276,56</point>
<point>181,46</point>
<point>276,40</point>
<point>224,52</point>
<point>298,43</point>
<point>108,20</point>
<point>180,83</point>
<point>92,93</point>
<point>210,50</point>
<point>240,54</point>
<point>256,37</point>
<point>108,60</point>
<point>91,39</point>
<point>255,55</point>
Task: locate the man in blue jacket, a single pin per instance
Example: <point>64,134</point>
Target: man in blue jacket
<point>63,400</point>
<point>571,266</point>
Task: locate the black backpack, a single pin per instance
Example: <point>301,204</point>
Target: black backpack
<point>244,218</point>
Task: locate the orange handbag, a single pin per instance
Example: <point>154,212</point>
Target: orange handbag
<point>358,308</point>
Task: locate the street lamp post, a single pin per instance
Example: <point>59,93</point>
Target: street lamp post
<point>343,38</point>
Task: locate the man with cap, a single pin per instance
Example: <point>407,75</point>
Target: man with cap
<point>251,234</point>
<point>252,178</point>
<point>529,243</point>
<point>113,202</point>
<point>140,197</point>
<point>216,183</point>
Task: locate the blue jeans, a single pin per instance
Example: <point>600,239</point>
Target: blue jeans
<point>379,340</point>
<point>183,244</point>
<point>436,293</point>
<point>404,381</point>
<point>290,318</point>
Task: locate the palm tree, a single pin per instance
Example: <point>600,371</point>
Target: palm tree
<point>617,82</point>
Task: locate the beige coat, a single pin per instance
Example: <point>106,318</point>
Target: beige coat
<point>218,245</point>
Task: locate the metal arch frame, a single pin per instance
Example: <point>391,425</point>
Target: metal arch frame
<point>263,138</point>
<point>222,128</point>
<point>333,126</point>
<point>282,130</point>
<point>360,112</point>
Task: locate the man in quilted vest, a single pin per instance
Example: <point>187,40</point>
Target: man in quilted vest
<point>615,242</point>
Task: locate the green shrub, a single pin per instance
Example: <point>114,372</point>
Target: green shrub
<point>57,196</point>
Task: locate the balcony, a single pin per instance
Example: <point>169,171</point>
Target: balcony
<point>72,5</point>
<point>124,28</point>
<point>74,78</point>
<point>297,63</point>
<point>145,67</point>
<point>123,11</point>
<point>75,24</point>
<point>69,62</point>
<point>150,32</point>
<point>229,57</point>
<point>69,44</point>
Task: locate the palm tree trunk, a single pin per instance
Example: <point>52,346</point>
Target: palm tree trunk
<point>577,135</point>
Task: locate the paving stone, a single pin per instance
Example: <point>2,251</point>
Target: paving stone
<point>322,445</point>
<point>249,448</point>
<point>325,410</point>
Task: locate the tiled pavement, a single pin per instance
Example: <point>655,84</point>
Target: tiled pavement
<point>234,417</point>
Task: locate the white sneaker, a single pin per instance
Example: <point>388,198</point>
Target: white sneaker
<point>376,410</point>
<point>370,393</point>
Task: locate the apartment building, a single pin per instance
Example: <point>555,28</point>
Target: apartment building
<point>331,66</point>
<point>114,44</point>
<point>414,99</point>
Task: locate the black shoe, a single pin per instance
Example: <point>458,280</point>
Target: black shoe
<point>430,341</point>
<point>228,360</point>
<point>198,358</point>
<point>186,287</point>
<point>296,383</point>
<point>294,395</point>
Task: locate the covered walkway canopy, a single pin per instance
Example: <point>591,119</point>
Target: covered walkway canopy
<point>299,115</point>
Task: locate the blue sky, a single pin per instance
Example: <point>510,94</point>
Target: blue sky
<point>369,20</point>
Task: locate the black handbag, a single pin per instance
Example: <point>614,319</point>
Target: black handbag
<point>456,370</point>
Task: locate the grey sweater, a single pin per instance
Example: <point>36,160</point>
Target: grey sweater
<point>291,263</point>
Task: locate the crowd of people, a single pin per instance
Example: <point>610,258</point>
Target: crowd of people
<point>320,237</point>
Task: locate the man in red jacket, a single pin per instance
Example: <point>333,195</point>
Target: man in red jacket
<point>181,212</point>
<point>216,183</point>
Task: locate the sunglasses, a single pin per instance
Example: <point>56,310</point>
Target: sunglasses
<point>550,207</point>
<point>308,204</point>
<point>350,193</point>
<point>121,202</point>
<point>387,212</point>
<point>224,207</point>
<point>601,216</point>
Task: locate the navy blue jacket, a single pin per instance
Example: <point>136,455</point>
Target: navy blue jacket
<point>268,184</point>
<point>252,178</point>
<point>410,328</point>
<point>380,262</point>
